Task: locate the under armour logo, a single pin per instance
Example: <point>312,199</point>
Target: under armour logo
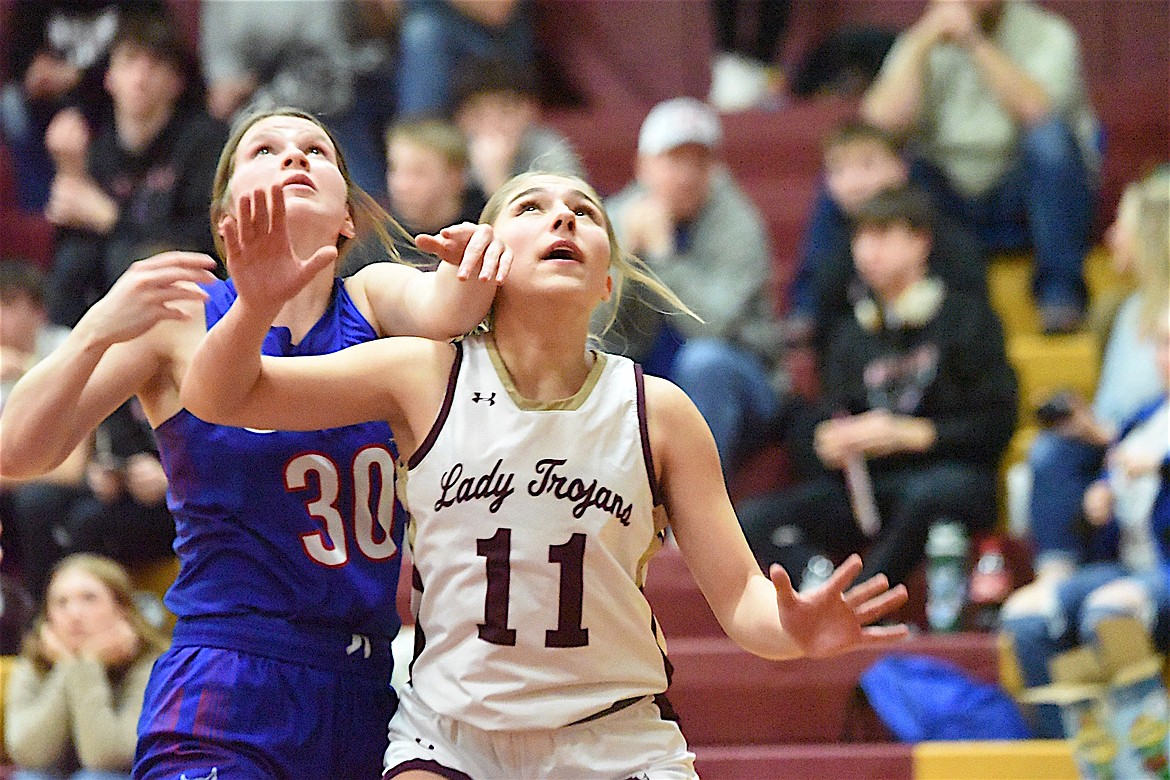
<point>213,776</point>
<point>476,397</point>
<point>359,642</point>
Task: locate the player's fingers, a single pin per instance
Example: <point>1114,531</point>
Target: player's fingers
<point>505,265</point>
<point>431,243</point>
<point>245,215</point>
<point>880,606</point>
<point>876,636</point>
<point>785,593</point>
<point>461,232</point>
<point>473,253</point>
<point>261,210</point>
<point>323,257</point>
<point>491,260</point>
<point>864,591</point>
<point>232,241</point>
<point>169,312</point>
<point>844,574</point>
<point>276,204</point>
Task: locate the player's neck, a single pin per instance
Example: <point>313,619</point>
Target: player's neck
<point>544,365</point>
<point>303,311</point>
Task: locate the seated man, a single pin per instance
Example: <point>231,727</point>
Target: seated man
<point>860,161</point>
<point>497,108</point>
<point>992,97</point>
<point>919,397</point>
<point>686,217</point>
<point>144,183</point>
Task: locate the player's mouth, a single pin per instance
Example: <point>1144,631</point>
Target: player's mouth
<point>564,250</point>
<point>300,180</point>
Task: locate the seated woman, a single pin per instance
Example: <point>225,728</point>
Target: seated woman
<point>1132,501</point>
<point>75,694</point>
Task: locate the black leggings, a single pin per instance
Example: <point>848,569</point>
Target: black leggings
<point>771,22</point>
<point>791,526</point>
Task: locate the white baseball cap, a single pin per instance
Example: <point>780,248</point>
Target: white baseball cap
<point>679,121</point>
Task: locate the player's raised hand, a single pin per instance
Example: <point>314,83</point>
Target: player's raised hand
<point>830,620</point>
<point>149,292</point>
<point>473,248</point>
<point>261,259</point>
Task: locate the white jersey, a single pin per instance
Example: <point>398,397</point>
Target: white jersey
<point>531,527</point>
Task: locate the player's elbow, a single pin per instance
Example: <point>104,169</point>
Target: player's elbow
<point>203,402</point>
<point>20,459</point>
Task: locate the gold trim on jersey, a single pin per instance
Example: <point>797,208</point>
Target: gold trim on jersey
<point>661,521</point>
<point>557,405</point>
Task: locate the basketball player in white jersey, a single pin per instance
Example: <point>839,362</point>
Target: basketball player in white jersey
<point>540,477</point>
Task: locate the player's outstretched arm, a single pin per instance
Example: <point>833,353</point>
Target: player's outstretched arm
<point>764,616</point>
<point>441,305</point>
<point>121,344</point>
<point>229,382</point>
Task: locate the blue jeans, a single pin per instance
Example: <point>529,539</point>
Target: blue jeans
<point>828,227</point>
<point>1062,468</point>
<point>22,124</point>
<point>1044,202</point>
<point>731,389</point>
<point>435,40</point>
<point>1039,637</point>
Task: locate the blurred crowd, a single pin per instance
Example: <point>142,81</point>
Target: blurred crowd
<point>973,136</point>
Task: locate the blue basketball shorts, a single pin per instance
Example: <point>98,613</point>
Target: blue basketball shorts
<point>211,712</point>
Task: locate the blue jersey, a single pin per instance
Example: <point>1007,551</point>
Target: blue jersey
<point>298,526</point>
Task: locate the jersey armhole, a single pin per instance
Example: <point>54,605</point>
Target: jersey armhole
<point>644,432</point>
<point>444,411</point>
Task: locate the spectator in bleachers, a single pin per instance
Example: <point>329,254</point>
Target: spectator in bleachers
<point>261,55</point>
<point>861,160</point>
<point>26,335</point>
<point>32,511</point>
<point>992,96</point>
<point>498,111</point>
<point>1131,499</point>
<point>1066,458</point>
<point>744,73</point>
<point>428,180</point>
<point>918,392</point>
<point>75,694</point>
<point>57,56</point>
<point>697,230</point>
<point>143,183</point>
<point>442,41</point>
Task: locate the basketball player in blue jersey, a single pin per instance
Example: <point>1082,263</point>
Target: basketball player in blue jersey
<point>540,476</point>
<point>288,542</point>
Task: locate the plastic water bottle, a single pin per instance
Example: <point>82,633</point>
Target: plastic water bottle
<point>990,584</point>
<point>946,575</point>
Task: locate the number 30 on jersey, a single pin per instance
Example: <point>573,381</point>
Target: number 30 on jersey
<point>372,466</point>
